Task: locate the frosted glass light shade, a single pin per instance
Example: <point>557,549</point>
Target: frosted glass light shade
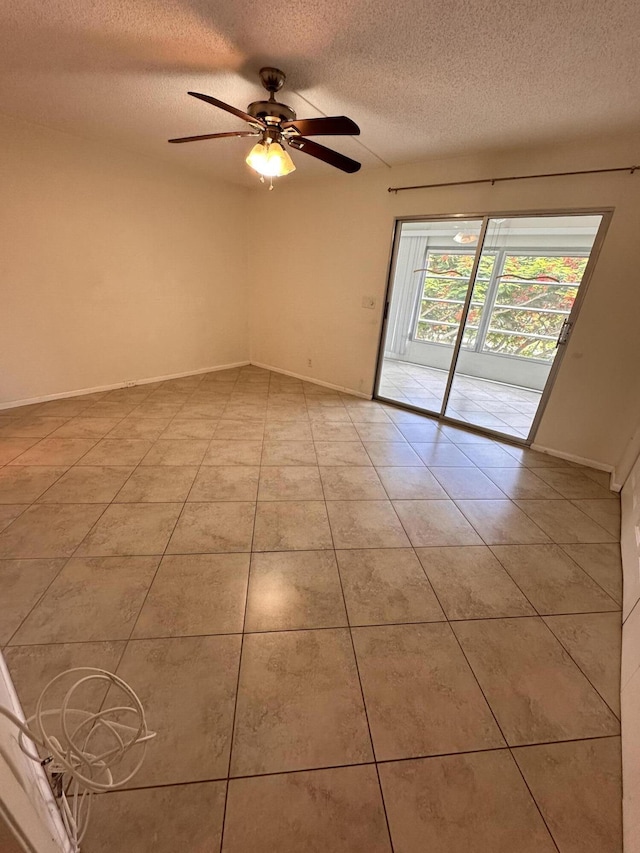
<point>270,159</point>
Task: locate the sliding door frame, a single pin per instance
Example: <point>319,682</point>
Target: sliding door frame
<point>605,212</point>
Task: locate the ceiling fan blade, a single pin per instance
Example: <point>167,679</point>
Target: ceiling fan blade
<point>327,126</point>
<point>233,110</point>
<point>333,158</point>
<point>215,136</point>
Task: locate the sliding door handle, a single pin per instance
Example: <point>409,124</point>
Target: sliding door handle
<point>565,332</point>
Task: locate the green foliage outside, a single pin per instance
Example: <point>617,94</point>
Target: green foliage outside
<point>530,333</point>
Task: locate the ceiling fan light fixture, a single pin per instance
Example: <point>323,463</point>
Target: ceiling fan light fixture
<point>465,238</point>
<point>270,159</point>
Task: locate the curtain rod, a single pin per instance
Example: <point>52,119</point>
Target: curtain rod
<point>492,181</point>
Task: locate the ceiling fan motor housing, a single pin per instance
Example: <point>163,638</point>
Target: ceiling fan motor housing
<point>271,111</point>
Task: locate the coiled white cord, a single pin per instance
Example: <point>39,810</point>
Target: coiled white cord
<point>83,756</point>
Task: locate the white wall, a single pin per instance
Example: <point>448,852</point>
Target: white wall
<point>630,680</point>
<point>333,238</point>
<point>113,266</point>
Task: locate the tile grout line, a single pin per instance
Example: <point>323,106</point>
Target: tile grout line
<point>242,635</point>
<point>487,703</point>
<point>357,668</point>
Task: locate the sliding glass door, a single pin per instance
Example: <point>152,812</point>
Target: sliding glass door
<point>477,311</point>
<point>433,268</point>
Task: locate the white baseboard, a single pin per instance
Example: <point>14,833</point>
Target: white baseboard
<point>312,380</point>
<point>580,460</point>
<point>128,384</point>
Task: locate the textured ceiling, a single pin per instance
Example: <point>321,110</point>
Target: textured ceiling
<point>421,78</point>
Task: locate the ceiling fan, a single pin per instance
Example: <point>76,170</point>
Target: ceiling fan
<point>276,125</point>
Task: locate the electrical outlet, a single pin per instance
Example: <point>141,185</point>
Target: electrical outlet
<point>309,362</point>
<point>368,302</point>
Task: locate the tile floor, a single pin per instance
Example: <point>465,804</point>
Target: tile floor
<point>354,630</point>
<point>482,402</point>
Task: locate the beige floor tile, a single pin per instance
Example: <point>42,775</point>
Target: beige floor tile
<point>292,590</point>
<point>158,820</point>
<point>487,456</point>
<point>465,436</point>
<point>362,524</point>
<point>246,411</point>
<point>410,483</point>
<point>391,453</point>
<point>602,477</point>
<point>379,432</point>
<point>367,413</point>
<point>10,448</point>
<point>141,428</point>
<point>299,703</point>
<point>158,484</point>
<point>471,583</point>
<point>216,527</point>
<point>476,802</point>
<point>25,484</point>
<point>126,529</point>
<point>22,583</point>
<point>197,428</point>
<point>551,580</point>
<point>578,788</point>
<point>196,594</point>
<point>86,484</point>
<point>334,415</point>
<point>30,427</point>
<point>534,688</point>
<point>163,410</point>
<point>90,600</point>
<point>534,459</point>
<point>231,452</point>
<point>287,431</point>
<point>338,810</point>
<point>86,428</point>
<point>467,483</point>
<point>521,483</point>
<point>106,409</point>
<point>563,522</point>
<point>425,432</point>
<point>187,686</point>
<point>291,526</point>
<point>288,453</point>
<point>341,453</point>
<point>9,513</point>
<point>441,453</point>
<point>225,483</point>
<point>65,408</point>
<point>290,483</point>
<point>386,586</point>
<point>594,642</point>
<point>52,530</point>
<point>603,563</point>
<point>605,512</point>
<point>351,483</point>
<point>435,523</point>
<point>117,451</point>
<point>33,667</point>
<point>186,451</point>
<point>573,483</point>
<point>21,411</point>
<point>334,432</point>
<point>421,696</point>
<point>501,522</point>
<point>243,430</point>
